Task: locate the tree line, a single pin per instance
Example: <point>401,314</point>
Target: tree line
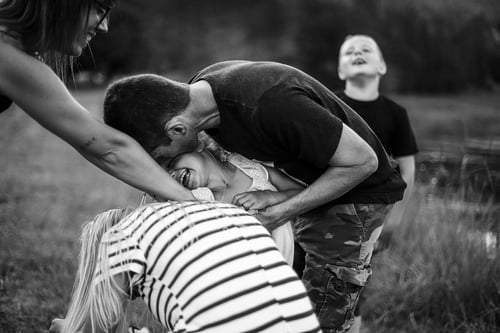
<point>431,46</point>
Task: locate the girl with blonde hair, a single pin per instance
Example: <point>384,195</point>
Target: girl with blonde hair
<point>198,266</point>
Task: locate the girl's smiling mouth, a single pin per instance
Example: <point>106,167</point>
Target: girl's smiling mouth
<point>184,177</point>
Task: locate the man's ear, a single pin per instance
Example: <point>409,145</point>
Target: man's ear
<point>175,127</point>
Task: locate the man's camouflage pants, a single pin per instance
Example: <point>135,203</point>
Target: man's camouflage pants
<point>338,241</point>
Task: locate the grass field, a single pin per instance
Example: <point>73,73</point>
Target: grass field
<point>438,275</point>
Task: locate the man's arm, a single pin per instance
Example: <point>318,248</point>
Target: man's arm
<point>352,162</point>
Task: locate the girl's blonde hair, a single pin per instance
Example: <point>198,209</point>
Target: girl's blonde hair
<point>102,302</point>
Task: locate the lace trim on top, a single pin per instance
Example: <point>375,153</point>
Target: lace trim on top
<point>251,168</point>
<point>254,170</point>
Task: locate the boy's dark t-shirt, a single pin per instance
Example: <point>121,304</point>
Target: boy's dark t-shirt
<point>389,121</point>
<point>274,112</point>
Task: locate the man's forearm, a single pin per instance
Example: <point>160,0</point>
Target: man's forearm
<point>332,184</point>
<point>352,162</point>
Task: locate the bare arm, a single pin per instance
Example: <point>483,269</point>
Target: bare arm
<point>353,162</point>
<point>407,168</point>
<point>35,88</point>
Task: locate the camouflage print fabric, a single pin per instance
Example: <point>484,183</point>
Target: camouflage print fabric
<point>338,241</point>
<point>334,300</point>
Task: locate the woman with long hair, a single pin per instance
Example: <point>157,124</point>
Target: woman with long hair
<point>38,41</point>
<point>198,266</point>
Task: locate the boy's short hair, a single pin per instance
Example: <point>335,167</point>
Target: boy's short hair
<point>141,105</point>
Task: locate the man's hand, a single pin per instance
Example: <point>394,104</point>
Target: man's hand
<point>271,218</point>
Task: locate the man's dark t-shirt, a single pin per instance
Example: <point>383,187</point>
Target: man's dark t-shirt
<point>389,121</point>
<point>5,103</point>
<point>274,112</point>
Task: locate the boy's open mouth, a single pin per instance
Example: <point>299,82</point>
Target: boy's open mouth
<point>359,61</point>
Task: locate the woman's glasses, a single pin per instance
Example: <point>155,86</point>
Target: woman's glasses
<point>103,8</point>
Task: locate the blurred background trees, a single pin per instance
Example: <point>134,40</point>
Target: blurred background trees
<point>431,46</point>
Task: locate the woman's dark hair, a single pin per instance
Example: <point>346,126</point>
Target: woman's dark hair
<point>46,27</point>
<point>141,105</point>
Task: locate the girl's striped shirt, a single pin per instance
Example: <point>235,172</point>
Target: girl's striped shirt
<point>208,267</point>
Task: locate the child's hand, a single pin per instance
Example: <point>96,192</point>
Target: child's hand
<point>255,200</point>
<point>56,325</point>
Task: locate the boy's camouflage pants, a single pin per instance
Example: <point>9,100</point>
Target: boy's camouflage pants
<point>338,241</point>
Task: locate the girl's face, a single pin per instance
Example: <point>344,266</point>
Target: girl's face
<point>97,21</point>
<point>190,170</point>
<point>360,55</point>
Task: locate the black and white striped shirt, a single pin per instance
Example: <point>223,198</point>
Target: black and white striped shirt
<point>209,267</point>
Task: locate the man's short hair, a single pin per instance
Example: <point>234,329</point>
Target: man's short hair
<point>141,105</point>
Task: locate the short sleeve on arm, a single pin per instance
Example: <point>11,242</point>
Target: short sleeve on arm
<point>120,253</point>
<point>403,141</point>
<point>300,125</point>
<point>203,194</point>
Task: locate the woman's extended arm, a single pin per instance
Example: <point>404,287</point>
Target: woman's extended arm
<point>36,89</point>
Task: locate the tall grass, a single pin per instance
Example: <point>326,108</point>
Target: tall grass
<point>442,270</point>
<point>47,191</point>
<point>437,276</point>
